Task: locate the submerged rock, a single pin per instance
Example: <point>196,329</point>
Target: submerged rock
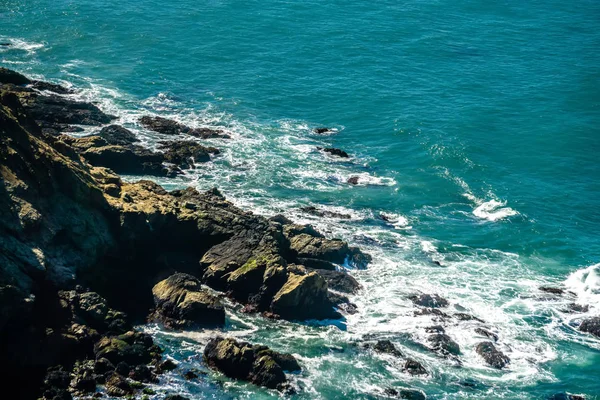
<point>387,347</point>
<point>334,152</point>
<point>257,364</point>
<point>410,394</point>
<point>591,325</point>
<point>486,333</point>
<point>566,396</point>
<point>491,355</point>
<point>353,180</point>
<point>181,302</point>
<point>443,344</point>
<point>312,210</point>
<point>414,367</point>
<point>553,290</point>
<point>321,130</point>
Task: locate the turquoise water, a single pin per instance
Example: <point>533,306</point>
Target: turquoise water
<point>474,127</point>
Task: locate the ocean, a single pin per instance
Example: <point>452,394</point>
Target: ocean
<point>473,129</point>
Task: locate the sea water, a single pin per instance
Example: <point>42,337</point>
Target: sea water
<point>473,127</point>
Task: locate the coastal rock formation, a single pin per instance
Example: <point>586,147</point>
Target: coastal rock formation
<point>181,302</point>
<point>170,127</point>
<point>13,77</point>
<point>334,152</point>
<point>428,300</point>
<point>409,394</point>
<point>257,364</point>
<point>68,224</point>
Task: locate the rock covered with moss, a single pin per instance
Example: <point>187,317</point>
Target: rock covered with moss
<point>257,364</point>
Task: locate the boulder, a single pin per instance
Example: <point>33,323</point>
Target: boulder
<point>334,152</point>
<point>181,302</point>
<point>566,396</point>
<point>410,394</point>
<point>304,297</point>
<point>257,364</point>
<point>332,250</point>
<point>443,344</point>
<point>170,127</point>
<point>386,347</point>
<point>552,290</point>
<point>117,349</point>
<point>353,180</point>
<point>186,153</point>
<point>312,210</point>
<point>413,367</point>
<point>321,130</point>
<point>9,76</point>
<point>428,300</point>
<point>486,333</point>
<point>340,281</point>
<point>117,386</point>
<point>117,135</point>
<point>491,355</point>
<point>591,325</point>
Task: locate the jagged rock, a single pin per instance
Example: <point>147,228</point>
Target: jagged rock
<point>566,396</point>
<point>281,219</point>
<point>410,394</point>
<point>486,333</point>
<point>353,180</point>
<point>435,329</point>
<point>335,152</point>
<point>185,153</point>
<point>117,386</point>
<point>552,290</point>
<point>51,87</point>
<point>312,210</point>
<point>170,127</point>
<point>321,130</point>
<point>431,311</point>
<point>175,397</point>
<point>428,300</point>
<point>181,302</point>
<point>414,367</point>
<point>591,325</point>
<point>117,350</point>
<point>443,344</point>
<point>304,297</point>
<point>340,281</point>
<point>467,317</point>
<point>332,250</point>
<point>257,364</point>
<point>491,355</point>
<point>387,347</point>
<point>9,76</point>
<point>117,135</point>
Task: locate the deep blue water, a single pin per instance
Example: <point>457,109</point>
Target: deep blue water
<point>475,126</point>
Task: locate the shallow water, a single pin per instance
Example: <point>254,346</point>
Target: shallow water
<point>472,127</point>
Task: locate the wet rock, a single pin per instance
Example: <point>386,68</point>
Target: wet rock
<point>410,394</point>
<point>467,317</point>
<point>240,360</point>
<point>333,250</point>
<point>443,344</point>
<point>414,367</point>
<point>185,154</point>
<point>207,133</point>
<point>181,302</point>
<point>142,373</point>
<point>577,308</point>
<point>9,76</point>
<point>435,329</point>
<point>53,109</point>
<point>117,135</point>
<point>304,297</point>
<point>322,130</point>
<point>486,333</point>
<point>566,396</point>
<point>51,87</point>
<point>118,350</point>
<point>117,386</point>
<point>175,397</point>
<point>553,290</point>
<point>429,300</point>
<point>333,151</point>
<point>170,127</point>
<point>102,366</point>
<point>190,375</point>
<point>353,180</point>
<point>491,355</point>
<point>340,281</point>
<point>387,347</point>
<point>312,210</point>
<point>165,366</point>
<point>431,311</point>
<point>316,264</point>
<point>281,219</point>
<point>591,325</point>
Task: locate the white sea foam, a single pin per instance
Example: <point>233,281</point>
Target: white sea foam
<point>20,44</point>
<point>585,283</point>
<point>493,210</point>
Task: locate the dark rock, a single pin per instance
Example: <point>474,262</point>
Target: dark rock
<point>162,125</point>
<point>410,394</point>
<point>321,130</point>
<point>443,344</point>
<point>142,373</point>
<point>257,364</point>
<point>553,290</point>
<point>431,311</point>
<point>207,133</point>
<point>9,76</point>
<point>491,355</point>
<point>591,325</point>
<point>312,210</point>
<point>51,87</point>
<point>566,396</point>
<point>428,300</point>
<point>577,308</point>
<point>103,366</point>
<point>340,281</point>
<point>117,135</point>
<point>387,347</point>
<point>181,302</point>
<point>335,152</point>
<point>117,350</point>
<point>414,367</point>
<point>467,317</point>
<point>122,368</point>
<point>185,153</point>
<point>281,219</point>
<point>486,333</point>
<point>165,366</point>
<point>316,264</point>
<point>175,397</point>
<point>435,329</point>
<point>117,386</point>
<point>353,180</point>
<point>53,109</point>
<point>189,375</point>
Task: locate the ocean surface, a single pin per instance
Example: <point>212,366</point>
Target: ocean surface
<point>474,128</point>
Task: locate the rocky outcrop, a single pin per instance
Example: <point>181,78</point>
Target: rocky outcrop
<point>443,344</point>
<point>492,356</point>
<point>591,325</point>
<point>181,302</point>
<point>186,153</point>
<point>312,210</point>
<point>410,394</point>
<point>170,127</point>
<point>429,300</point>
<point>67,224</point>
<point>15,78</point>
<point>334,152</point>
<point>257,364</point>
<point>321,130</point>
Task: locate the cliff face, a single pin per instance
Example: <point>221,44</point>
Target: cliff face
<point>66,224</point>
